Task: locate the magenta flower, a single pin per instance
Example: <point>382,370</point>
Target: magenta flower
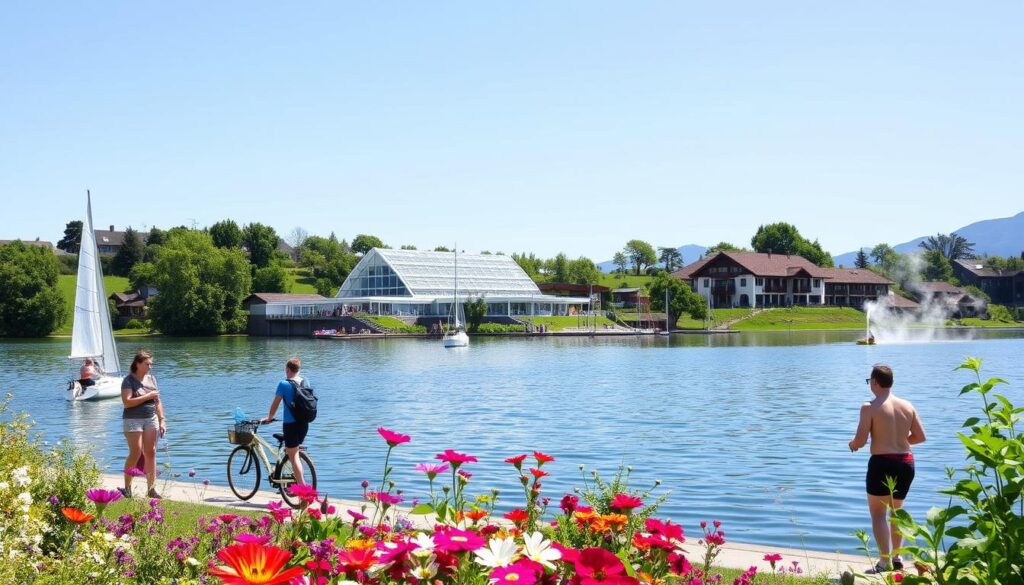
<point>465,473</point>
<point>252,538</point>
<point>455,458</point>
<point>102,498</point>
<point>227,518</point>
<point>304,492</point>
<point>356,515</point>
<point>134,472</point>
<point>393,439</point>
<point>431,469</point>
<point>625,502</point>
<point>454,540</point>
<point>772,559</point>
<point>383,497</point>
<point>519,573</point>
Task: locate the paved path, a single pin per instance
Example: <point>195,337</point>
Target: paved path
<point>733,555</point>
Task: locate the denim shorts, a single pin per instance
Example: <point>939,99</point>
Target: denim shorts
<point>137,425</point>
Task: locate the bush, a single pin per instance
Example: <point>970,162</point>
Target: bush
<point>68,263</point>
<point>136,324</point>
<point>1000,313</point>
<point>501,328</point>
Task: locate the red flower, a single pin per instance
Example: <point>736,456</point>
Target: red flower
<point>227,518</point>
<point>542,458</point>
<point>454,540</point>
<point>476,515</point>
<point>538,473</point>
<point>569,503</point>
<point>393,439</point>
<point>357,559</point>
<point>626,502</point>
<point>678,565</point>
<point>517,460</point>
<point>597,565</point>
<point>455,458</point>
<point>517,516</point>
<point>666,529</point>
<point>569,555</point>
<point>254,564</point>
<point>75,515</point>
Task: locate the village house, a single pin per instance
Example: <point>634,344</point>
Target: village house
<point>956,300</point>
<point>755,279</point>
<point>1004,287</point>
<point>131,305</point>
<point>109,242</point>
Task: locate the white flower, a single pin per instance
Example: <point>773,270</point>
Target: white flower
<point>499,553</point>
<point>4,485</point>
<point>25,499</point>
<point>539,550</point>
<point>20,477</point>
<point>427,572</point>
<point>424,545</point>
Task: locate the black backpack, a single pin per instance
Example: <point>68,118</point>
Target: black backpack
<point>303,404</point>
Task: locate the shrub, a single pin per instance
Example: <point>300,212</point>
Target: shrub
<point>1000,313</point>
<point>501,328</point>
<point>136,324</point>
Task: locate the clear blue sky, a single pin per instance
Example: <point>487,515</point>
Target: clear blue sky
<point>515,126</point>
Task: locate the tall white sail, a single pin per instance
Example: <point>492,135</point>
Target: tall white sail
<point>92,335</point>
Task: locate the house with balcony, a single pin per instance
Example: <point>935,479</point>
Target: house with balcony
<point>755,279</point>
<point>1004,287</point>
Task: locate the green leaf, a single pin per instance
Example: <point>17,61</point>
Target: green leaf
<point>422,509</point>
<point>624,557</point>
<point>971,421</point>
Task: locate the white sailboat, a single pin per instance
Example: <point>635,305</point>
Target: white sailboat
<point>92,335</point>
<point>456,335</point>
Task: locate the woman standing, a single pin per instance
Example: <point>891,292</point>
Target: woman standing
<point>143,420</point>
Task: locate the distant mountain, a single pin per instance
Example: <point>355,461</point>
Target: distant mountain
<point>691,253</point>
<point>995,237</point>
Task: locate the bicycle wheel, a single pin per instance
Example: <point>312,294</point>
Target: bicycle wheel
<point>283,472</point>
<point>243,472</point>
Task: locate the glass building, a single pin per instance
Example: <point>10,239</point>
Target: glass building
<point>418,283</point>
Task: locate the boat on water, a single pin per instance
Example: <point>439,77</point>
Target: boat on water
<point>455,335</point>
<point>92,335</point>
<point>867,341</point>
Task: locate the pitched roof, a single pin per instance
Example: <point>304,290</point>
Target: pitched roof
<point>855,276</point>
<point>759,264</point>
<point>933,287</point>
<point>569,287</point>
<point>265,297</point>
<point>109,237</point>
<point>900,302</point>
<point>976,266</point>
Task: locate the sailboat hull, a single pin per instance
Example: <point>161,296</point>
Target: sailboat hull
<point>458,339</point>
<point>105,387</point>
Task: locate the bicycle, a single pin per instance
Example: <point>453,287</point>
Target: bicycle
<point>244,470</point>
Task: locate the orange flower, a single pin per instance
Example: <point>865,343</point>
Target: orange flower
<point>361,544</point>
<point>476,515</point>
<point>75,515</point>
<point>606,522</point>
<point>254,564</point>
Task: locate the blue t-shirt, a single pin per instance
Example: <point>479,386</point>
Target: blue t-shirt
<point>287,393</point>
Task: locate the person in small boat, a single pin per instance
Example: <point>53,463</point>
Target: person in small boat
<point>143,421</point>
<point>87,373</point>
<point>893,426</point>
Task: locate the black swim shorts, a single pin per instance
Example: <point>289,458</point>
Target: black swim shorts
<point>295,434</point>
<point>897,466</point>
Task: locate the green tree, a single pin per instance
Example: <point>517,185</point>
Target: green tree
<point>936,266</point>
<point>326,258</point>
<point>620,261</point>
<point>953,246</point>
<point>862,259</point>
<point>723,247</point>
<point>813,252</point>
<point>407,247</point>
<point>261,241</point>
<point>640,254</point>
<point>363,243</point>
<point>324,287</point>
<point>884,256</point>
<point>142,274</point>
<point>442,249</point>
<point>271,278</point>
<point>530,264</point>
<point>558,268</point>
<point>670,258</point>
<point>681,298</point>
<point>72,239</point>
<point>476,310</point>
<point>201,286</point>
<point>582,271</point>
<point>156,237</point>
<point>784,238</point>
<point>227,234</point>
<point>30,304</point>
<point>130,253</point>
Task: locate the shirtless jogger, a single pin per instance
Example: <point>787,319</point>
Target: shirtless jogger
<point>893,426</point>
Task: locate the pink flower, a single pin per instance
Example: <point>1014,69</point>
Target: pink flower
<point>393,439</point>
<point>101,496</point>
<point>431,469</point>
<point>626,502</point>
<point>454,540</point>
<point>569,503</point>
<point>304,492</point>
<point>227,518</point>
<point>253,538</point>
<point>279,511</point>
<point>666,529</point>
<point>455,458</point>
<point>134,472</point>
<point>518,573</point>
<point>356,515</point>
<point>597,565</point>
<point>773,558</point>
<point>465,473</point>
<point>383,497</point>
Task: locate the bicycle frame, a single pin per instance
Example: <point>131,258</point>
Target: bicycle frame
<point>259,447</point>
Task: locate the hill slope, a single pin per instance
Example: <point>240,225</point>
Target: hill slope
<point>995,237</point>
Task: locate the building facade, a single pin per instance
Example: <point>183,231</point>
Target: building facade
<point>754,279</point>
<point>1004,287</point>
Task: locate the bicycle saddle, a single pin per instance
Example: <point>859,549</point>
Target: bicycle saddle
<point>279,437</point>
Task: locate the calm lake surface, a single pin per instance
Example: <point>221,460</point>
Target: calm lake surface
<point>750,428</point>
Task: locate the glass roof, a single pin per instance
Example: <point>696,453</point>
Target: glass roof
<point>415,273</point>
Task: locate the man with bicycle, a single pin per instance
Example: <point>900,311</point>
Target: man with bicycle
<point>294,431</point>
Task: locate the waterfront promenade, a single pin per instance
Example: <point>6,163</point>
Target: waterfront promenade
<point>734,555</point>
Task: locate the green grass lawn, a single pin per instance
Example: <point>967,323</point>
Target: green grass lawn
<point>614,281</point>
<point>803,318</point>
<point>975,322</point>
<point>301,281</point>
<point>720,316</point>
<point>66,286</point>
<point>180,518</point>
<point>563,323</point>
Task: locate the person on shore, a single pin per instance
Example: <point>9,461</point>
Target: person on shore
<point>87,373</point>
<point>893,426</point>
<point>143,420</point>
<point>294,431</point>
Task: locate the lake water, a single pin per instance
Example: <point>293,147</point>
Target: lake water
<point>750,428</point>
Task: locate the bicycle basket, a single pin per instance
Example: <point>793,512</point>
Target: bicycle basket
<point>244,433</point>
